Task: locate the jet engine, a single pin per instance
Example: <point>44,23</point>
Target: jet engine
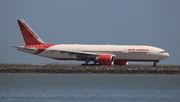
<point>105,59</point>
<point>121,62</point>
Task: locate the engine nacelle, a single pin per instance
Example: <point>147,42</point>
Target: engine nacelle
<point>105,59</point>
<point>121,62</point>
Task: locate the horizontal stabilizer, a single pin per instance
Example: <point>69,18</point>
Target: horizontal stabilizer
<point>23,48</point>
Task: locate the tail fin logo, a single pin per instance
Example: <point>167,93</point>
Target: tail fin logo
<point>30,37</point>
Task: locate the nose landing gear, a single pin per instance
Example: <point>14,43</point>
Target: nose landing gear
<point>155,63</point>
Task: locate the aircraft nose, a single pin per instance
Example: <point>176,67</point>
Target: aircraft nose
<point>166,55</point>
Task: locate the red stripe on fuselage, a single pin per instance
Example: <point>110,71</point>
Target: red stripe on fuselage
<point>39,51</point>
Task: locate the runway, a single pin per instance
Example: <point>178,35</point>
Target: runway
<point>78,69</point>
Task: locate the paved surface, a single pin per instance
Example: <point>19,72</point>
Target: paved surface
<point>78,69</point>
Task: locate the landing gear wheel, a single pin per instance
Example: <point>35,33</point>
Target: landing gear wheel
<point>87,61</point>
<point>95,63</point>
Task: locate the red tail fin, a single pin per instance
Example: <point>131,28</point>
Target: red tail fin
<point>30,37</point>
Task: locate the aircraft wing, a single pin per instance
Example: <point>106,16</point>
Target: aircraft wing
<point>79,54</point>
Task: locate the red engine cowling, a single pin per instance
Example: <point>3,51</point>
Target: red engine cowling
<point>121,62</point>
<point>105,59</point>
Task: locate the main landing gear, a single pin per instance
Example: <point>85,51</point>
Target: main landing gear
<point>87,62</point>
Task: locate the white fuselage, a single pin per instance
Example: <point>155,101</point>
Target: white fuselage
<point>101,54</point>
<point>122,52</point>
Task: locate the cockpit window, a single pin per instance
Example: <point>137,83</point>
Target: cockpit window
<point>163,52</point>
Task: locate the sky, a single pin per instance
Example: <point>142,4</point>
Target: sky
<point>120,22</point>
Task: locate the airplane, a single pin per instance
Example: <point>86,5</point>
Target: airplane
<point>98,54</point>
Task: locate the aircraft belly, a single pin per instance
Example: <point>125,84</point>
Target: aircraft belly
<point>135,57</point>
